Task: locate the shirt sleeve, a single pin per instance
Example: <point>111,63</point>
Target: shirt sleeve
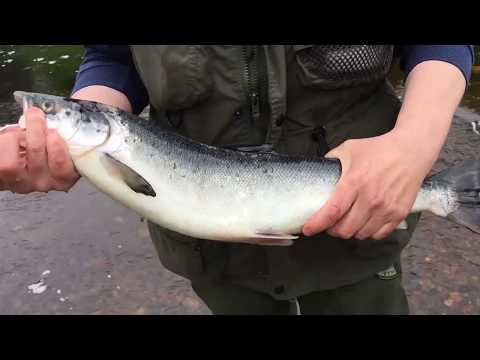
<point>112,66</point>
<point>462,56</point>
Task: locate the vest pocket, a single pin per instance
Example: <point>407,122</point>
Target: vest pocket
<point>177,253</point>
<point>176,76</point>
<point>342,66</point>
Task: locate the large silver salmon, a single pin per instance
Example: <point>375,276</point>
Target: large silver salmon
<point>219,194</point>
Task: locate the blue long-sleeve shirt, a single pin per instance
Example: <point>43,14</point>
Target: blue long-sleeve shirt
<point>112,66</point>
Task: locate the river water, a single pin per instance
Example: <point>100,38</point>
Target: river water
<point>81,253</point>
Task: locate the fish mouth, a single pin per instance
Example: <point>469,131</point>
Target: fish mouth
<point>19,96</point>
<point>32,98</point>
<point>23,98</point>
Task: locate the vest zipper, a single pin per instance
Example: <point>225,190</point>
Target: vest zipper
<point>250,57</point>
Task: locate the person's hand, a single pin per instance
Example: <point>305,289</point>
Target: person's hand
<point>35,158</point>
<point>381,177</point>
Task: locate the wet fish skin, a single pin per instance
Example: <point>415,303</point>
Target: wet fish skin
<point>203,191</point>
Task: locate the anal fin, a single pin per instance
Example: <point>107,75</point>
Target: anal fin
<point>274,239</point>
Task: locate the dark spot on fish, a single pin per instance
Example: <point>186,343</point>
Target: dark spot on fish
<point>68,113</point>
<point>98,130</point>
<point>87,120</point>
<point>174,166</point>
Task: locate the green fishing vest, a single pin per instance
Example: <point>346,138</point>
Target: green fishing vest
<point>299,99</point>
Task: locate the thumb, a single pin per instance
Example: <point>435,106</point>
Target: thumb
<point>333,210</point>
<point>10,128</point>
<point>333,154</point>
<point>342,154</point>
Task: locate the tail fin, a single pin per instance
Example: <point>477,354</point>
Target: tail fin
<point>464,180</point>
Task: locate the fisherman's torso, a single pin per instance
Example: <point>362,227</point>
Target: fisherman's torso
<point>300,99</point>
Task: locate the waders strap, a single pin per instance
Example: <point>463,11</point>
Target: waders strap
<point>294,307</point>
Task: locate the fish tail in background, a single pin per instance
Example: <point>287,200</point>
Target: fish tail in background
<point>464,181</point>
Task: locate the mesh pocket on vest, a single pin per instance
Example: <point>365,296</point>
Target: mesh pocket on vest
<point>336,66</point>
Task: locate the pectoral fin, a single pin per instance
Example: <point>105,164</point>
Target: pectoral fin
<point>131,178</point>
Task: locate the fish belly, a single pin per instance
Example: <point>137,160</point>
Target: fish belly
<point>213,211</point>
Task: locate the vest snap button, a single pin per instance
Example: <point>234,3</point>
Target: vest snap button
<point>317,133</point>
<point>279,289</point>
<point>280,121</point>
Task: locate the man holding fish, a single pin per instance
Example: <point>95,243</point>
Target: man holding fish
<point>302,100</point>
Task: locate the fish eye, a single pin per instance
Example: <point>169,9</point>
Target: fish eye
<point>47,106</point>
<point>68,113</point>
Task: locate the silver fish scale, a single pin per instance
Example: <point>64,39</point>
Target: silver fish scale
<point>209,166</point>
